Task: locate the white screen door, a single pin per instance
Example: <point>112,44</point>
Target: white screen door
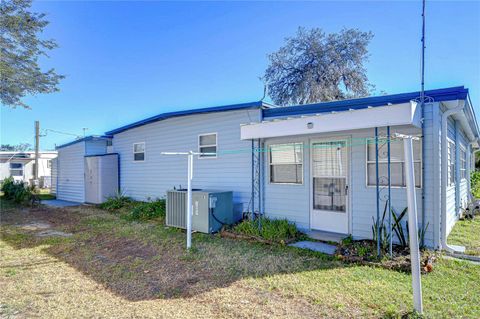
<point>330,186</point>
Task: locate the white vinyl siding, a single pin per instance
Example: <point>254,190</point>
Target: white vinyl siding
<point>207,144</point>
<point>159,173</point>
<point>397,163</point>
<point>139,152</point>
<point>70,171</point>
<point>286,163</point>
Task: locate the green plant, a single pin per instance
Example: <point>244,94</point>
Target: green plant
<point>401,231</point>
<point>277,230</point>
<point>147,210</point>
<point>379,225</point>
<point>18,192</point>
<point>402,236</point>
<point>475,183</point>
<point>118,201</point>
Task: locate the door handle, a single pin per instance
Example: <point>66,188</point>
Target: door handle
<point>346,189</point>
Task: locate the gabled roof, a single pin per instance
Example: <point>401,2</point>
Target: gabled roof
<point>447,94</point>
<point>86,138</point>
<point>164,116</point>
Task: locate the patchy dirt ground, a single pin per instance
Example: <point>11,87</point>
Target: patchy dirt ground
<point>110,268</point>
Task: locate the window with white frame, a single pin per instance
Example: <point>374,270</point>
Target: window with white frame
<point>16,169</point>
<point>463,162</point>
<point>286,163</point>
<point>139,152</point>
<point>207,145</point>
<point>451,162</point>
<point>397,163</point>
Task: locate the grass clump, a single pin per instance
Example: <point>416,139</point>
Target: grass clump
<point>276,230</point>
<point>147,210</point>
<point>116,202</point>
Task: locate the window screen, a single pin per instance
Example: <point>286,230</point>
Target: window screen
<point>397,163</point>
<point>286,163</point>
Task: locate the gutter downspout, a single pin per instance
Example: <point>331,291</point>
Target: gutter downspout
<point>444,169</point>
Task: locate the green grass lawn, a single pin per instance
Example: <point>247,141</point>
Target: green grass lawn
<point>113,268</point>
<point>467,233</point>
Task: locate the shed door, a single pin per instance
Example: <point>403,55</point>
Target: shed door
<point>329,186</point>
<point>91,180</point>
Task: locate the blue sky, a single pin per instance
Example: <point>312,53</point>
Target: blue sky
<point>125,61</point>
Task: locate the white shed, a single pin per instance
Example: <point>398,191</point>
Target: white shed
<point>71,166</point>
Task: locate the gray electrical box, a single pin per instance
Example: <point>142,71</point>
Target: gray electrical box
<point>211,209</point>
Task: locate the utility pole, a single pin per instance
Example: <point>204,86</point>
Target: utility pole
<point>37,149</point>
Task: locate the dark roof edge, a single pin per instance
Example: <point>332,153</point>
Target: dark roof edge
<point>445,94</point>
<point>87,138</point>
<point>164,116</point>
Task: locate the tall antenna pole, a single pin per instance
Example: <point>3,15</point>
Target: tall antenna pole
<point>422,92</point>
<point>422,106</point>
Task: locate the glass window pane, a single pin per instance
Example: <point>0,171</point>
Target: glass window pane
<point>286,153</point>
<point>139,156</point>
<point>138,147</point>
<point>396,150</point>
<point>16,165</point>
<point>16,172</point>
<point>212,150</point>
<point>329,194</point>
<point>329,159</point>
<point>396,174</point>
<point>210,139</point>
<point>417,167</point>
<point>417,150</point>
<point>286,173</point>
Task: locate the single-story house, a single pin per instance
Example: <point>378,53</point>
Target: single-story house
<point>21,166</point>
<point>313,164</point>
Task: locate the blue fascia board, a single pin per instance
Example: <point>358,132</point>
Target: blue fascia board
<point>453,93</point>
<point>164,116</point>
<point>86,138</point>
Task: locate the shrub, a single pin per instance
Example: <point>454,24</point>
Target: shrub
<point>277,230</point>
<point>147,210</point>
<point>116,202</point>
<point>475,183</point>
<point>18,192</point>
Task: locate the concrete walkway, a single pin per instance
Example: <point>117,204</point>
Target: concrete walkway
<point>59,203</point>
<point>316,246</point>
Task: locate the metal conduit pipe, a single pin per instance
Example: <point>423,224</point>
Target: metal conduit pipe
<point>444,177</point>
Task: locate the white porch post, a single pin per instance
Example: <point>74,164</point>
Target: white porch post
<point>412,224</point>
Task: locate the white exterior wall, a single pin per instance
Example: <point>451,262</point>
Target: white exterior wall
<point>70,165</point>
<point>231,170</point>
<point>293,201</point>
<point>54,175</point>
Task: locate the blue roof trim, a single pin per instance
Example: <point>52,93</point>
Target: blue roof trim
<point>168,115</point>
<point>86,138</point>
<point>453,93</point>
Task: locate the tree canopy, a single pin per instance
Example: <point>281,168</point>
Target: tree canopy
<point>16,148</point>
<point>314,66</point>
<point>20,49</point>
